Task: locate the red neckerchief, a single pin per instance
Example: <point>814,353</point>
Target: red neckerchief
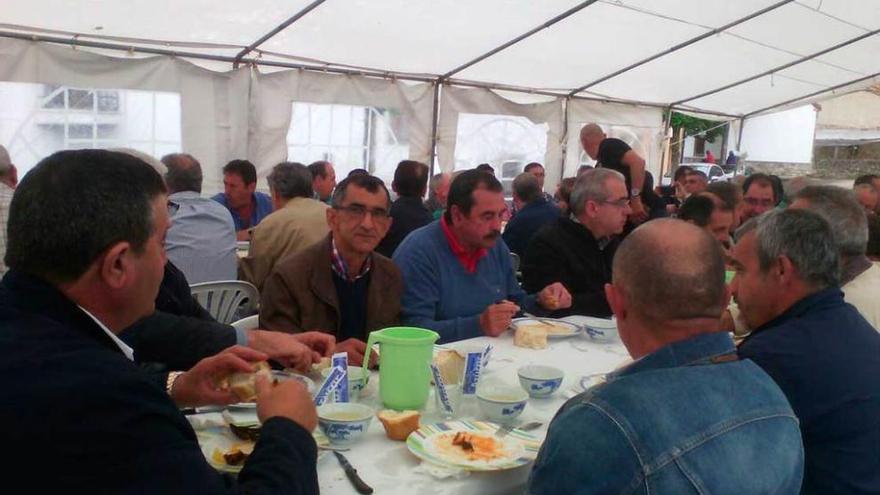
<point>467,259</point>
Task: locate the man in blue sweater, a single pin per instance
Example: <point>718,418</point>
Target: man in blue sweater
<point>819,349</point>
<point>458,279</point>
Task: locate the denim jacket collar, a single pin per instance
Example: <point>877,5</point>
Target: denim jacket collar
<point>693,351</point>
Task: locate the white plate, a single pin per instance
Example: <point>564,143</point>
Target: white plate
<point>280,375</point>
<point>519,447</point>
<point>572,329</point>
<point>215,440</point>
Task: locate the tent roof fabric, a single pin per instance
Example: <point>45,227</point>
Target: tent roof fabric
<point>711,56</point>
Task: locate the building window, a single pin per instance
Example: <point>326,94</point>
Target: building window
<point>38,120</point>
<point>349,136</point>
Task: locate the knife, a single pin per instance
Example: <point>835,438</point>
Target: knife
<point>352,474</point>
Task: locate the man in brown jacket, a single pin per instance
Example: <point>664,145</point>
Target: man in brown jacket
<point>340,285</point>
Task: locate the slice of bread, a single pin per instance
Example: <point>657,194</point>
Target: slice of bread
<point>399,424</point>
<point>243,385</point>
<point>530,336</point>
<point>451,365</point>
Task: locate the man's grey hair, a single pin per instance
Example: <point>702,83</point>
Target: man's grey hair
<point>592,186</point>
<point>684,281</point>
<point>840,208</point>
<point>802,236</point>
<point>526,187</point>
<point>291,180</point>
<point>184,173</point>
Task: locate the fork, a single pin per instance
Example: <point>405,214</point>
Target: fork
<point>504,430</point>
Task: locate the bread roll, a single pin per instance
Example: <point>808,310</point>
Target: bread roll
<point>451,365</point>
<point>398,425</point>
<point>243,385</point>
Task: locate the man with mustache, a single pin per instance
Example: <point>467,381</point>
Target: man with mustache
<point>459,278</point>
<point>340,285</point>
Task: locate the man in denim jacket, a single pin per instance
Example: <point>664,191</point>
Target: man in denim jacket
<point>687,416</point>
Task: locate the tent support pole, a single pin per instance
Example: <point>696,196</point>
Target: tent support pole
<point>781,67</point>
<point>435,117</point>
<point>564,15</point>
<point>681,45</point>
<point>815,93</point>
<point>281,27</point>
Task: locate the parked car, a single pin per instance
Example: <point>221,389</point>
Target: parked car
<point>712,171</point>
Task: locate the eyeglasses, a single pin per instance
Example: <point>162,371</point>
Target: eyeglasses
<point>619,203</point>
<point>758,202</point>
<point>358,212</point>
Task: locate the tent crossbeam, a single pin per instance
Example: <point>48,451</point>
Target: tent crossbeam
<point>560,17</point>
<point>281,27</point>
<point>681,45</point>
<point>815,93</point>
<point>781,67</point>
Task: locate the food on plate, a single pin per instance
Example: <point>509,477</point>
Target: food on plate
<point>243,385</point>
<point>321,365</point>
<point>531,336</point>
<point>398,425</point>
<point>246,432</point>
<point>451,365</point>
<point>235,455</point>
<point>469,446</point>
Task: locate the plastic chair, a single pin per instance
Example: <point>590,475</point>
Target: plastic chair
<point>247,323</point>
<point>226,300</point>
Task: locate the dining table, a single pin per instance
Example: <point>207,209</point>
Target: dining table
<point>390,468</point>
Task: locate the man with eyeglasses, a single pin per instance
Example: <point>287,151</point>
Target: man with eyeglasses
<point>297,223</point>
<point>578,250</point>
<point>759,196</point>
<point>459,277</point>
<point>340,285</point>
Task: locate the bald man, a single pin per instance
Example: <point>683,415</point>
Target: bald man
<point>615,154</point>
<point>686,416</point>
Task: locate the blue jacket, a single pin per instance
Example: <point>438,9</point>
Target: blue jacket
<point>263,208</point>
<point>826,358</point>
<point>684,419</point>
<point>78,411</point>
<point>440,295</point>
<point>527,222</point>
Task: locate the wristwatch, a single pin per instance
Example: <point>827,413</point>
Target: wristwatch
<point>634,192</point>
<point>172,377</point>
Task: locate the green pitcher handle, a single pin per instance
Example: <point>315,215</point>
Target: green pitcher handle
<point>365,367</point>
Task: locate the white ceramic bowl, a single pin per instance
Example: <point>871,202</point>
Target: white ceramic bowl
<point>290,375</point>
<point>356,380</point>
<point>344,423</point>
<point>540,381</point>
<point>502,403</point>
<point>601,330</point>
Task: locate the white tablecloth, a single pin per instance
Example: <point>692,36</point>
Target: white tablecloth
<point>388,466</point>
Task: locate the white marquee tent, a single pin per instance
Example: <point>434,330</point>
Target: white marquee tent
<point>503,80</point>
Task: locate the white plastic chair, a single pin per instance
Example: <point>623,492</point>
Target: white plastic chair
<point>226,300</point>
<point>247,323</point>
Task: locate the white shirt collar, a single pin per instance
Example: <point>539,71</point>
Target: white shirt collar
<point>128,351</point>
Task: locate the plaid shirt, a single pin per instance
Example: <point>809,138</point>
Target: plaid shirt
<point>341,268</point>
<point>5,199</point>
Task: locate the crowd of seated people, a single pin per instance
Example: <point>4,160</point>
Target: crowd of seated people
<point>795,403</point>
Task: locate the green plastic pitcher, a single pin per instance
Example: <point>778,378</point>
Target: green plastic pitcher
<point>405,355</point>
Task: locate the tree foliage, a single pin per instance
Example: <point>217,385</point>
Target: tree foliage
<point>695,127</point>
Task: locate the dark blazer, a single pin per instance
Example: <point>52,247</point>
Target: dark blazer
<point>78,411</point>
<point>300,296</point>
<point>407,215</point>
<point>527,222</point>
<point>566,251</point>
